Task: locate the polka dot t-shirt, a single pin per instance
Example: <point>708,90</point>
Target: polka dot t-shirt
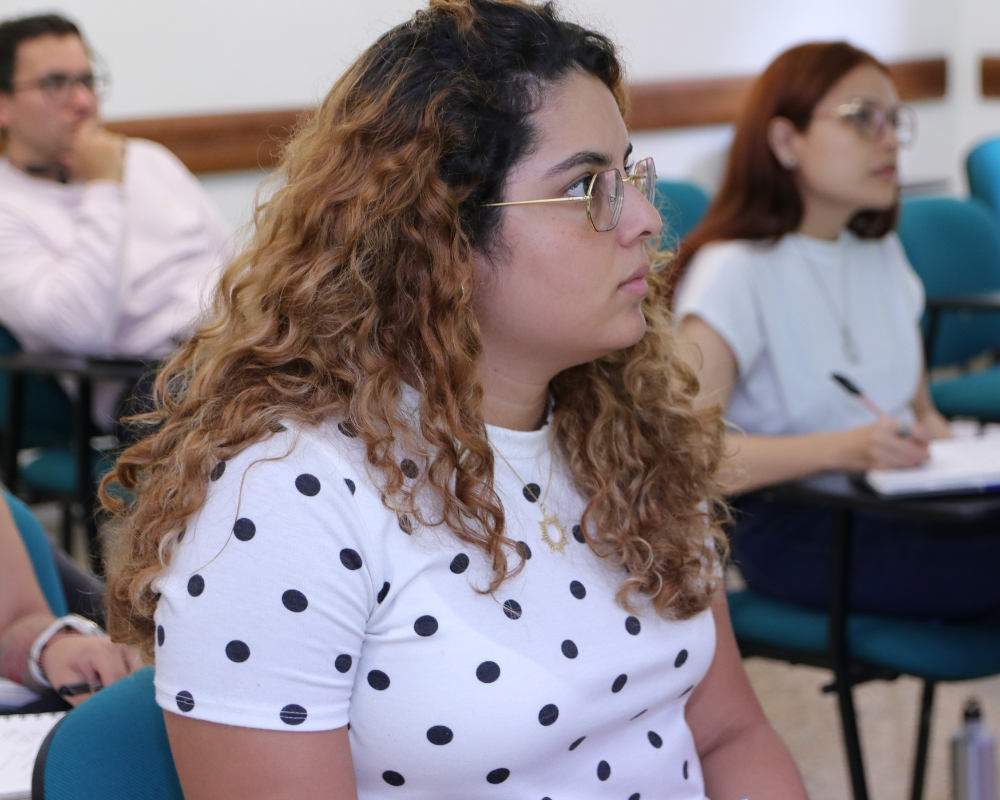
<point>296,601</point>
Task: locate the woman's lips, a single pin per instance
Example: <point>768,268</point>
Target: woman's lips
<point>636,284</point>
<point>886,173</point>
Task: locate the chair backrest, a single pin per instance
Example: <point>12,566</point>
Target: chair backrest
<point>983,169</point>
<point>954,246</point>
<point>40,553</point>
<point>48,412</point>
<point>113,747</point>
<point>681,205</point>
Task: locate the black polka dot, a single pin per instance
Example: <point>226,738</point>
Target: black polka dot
<point>632,625</point>
<point>459,564</point>
<point>410,469</point>
<point>307,484</point>
<point>619,683</point>
<point>685,771</point>
<point>498,775</point>
<point>378,680</point>
<point>180,536</point>
<point>383,592</point>
<point>578,590</point>
<point>405,525</point>
<point>635,796</point>
<point>350,558</point>
<point>294,600</point>
<point>512,609</point>
<point>343,662</point>
<point>196,585</point>
<point>244,529</point>
<point>685,692</point>
<point>390,777</point>
<point>682,656</point>
<point>160,634</point>
<point>439,734</point>
<point>532,492</point>
<point>548,715</point>
<point>278,428</point>
<point>347,429</point>
<point>654,739</point>
<point>488,671</point>
<point>293,714</point>
<point>577,743</point>
<point>156,597</point>
<point>569,648</point>
<point>425,625</point>
<point>524,550</point>
<point>639,714</point>
<point>218,470</point>
<point>578,534</point>
<point>603,771</point>
<point>185,701</point>
<point>237,651</point>
<point>350,485</point>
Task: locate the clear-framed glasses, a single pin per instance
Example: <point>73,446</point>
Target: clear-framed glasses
<point>871,119</point>
<point>606,193</point>
<point>59,86</point>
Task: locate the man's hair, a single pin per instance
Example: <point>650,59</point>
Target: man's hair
<point>15,31</point>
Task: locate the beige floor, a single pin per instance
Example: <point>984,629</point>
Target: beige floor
<point>809,724</point>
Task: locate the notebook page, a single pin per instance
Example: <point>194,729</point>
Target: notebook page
<point>21,736</point>
<point>955,465</point>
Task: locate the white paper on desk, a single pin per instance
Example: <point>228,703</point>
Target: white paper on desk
<point>21,736</point>
<point>955,465</point>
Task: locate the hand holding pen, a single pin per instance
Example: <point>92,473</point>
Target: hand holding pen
<point>888,444</point>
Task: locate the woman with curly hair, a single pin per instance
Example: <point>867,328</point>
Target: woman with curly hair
<point>429,512</point>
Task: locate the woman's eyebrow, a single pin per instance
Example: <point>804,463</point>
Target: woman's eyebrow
<point>584,157</point>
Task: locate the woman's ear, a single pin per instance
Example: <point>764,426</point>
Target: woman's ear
<point>783,138</point>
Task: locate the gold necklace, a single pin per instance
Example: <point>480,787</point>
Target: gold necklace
<point>548,520</point>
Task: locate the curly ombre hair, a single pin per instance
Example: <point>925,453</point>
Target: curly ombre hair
<point>360,280</point>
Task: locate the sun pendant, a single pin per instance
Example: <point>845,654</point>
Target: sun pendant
<point>549,521</point>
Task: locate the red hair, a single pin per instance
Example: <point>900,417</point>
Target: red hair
<point>759,198</point>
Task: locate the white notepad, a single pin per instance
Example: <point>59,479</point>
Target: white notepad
<point>21,736</point>
<point>955,466</point>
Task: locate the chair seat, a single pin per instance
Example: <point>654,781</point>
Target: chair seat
<point>52,470</point>
<point>116,739</point>
<point>975,395</point>
<point>932,650</point>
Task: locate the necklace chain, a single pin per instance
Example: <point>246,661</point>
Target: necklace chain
<point>548,520</point>
<point>847,342</point>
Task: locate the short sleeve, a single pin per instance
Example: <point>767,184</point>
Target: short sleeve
<point>719,288</point>
<point>909,284</point>
<point>264,604</point>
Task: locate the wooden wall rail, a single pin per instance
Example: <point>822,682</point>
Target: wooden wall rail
<point>991,76</point>
<point>221,142</point>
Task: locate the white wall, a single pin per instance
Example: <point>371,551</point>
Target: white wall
<point>201,56</point>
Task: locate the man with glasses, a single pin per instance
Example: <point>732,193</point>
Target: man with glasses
<point>106,244</point>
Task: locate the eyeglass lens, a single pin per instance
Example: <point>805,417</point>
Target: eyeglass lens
<point>59,86</point>
<point>871,121</point>
<point>607,193</point>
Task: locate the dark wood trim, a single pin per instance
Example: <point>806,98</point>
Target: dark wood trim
<point>252,139</point>
<point>990,76</point>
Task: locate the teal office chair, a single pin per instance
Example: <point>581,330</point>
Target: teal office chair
<point>862,647</point>
<point>954,246</point>
<point>113,747</point>
<point>40,553</point>
<point>982,166</point>
<point>681,206</point>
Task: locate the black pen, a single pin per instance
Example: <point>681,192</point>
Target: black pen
<point>76,689</point>
<point>871,405</point>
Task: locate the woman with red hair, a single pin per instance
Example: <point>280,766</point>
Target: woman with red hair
<point>796,274</point>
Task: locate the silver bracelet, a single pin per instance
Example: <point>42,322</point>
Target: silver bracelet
<point>70,621</point>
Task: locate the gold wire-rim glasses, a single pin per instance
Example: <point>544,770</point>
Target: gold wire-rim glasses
<point>642,171</point>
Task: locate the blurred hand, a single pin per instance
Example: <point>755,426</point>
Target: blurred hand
<point>880,446</point>
<point>95,659</point>
<point>96,154</point>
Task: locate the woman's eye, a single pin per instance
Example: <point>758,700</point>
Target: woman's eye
<point>579,187</point>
